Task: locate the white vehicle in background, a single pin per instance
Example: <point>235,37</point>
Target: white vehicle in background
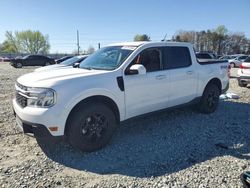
<point>74,61</point>
<point>205,55</point>
<point>237,61</point>
<point>243,74</point>
<point>116,83</point>
<point>228,57</point>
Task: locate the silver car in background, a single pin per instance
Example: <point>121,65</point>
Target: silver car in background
<point>243,74</point>
<point>237,61</point>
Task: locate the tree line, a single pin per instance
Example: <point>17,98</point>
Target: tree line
<point>33,42</point>
<point>218,41</point>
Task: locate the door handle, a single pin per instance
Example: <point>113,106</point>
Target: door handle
<point>160,77</point>
<point>190,72</point>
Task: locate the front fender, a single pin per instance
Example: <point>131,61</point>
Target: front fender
<point>90,93</point>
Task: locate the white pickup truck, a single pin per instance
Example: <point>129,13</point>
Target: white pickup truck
<point>116,83</point>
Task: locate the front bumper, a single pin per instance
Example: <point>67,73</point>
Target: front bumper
<point>37,121</point>
<point>32,129</point>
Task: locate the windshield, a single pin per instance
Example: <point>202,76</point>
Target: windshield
<point>25,57</point>
<point>71,60</point>
<point>107,58</point>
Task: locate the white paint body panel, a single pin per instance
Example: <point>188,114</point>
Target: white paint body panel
<point>143,93</point>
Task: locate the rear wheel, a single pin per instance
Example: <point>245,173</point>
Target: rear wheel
<point>47,63</point>
<point>90,126</point>
<point>232,65</point>
<point>242,84</point>
<point>19,65</point>
<point>210,99</point>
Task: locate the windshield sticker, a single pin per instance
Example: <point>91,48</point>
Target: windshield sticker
<point>128,48</point>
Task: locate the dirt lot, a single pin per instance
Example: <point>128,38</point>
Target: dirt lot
<point>178,148</point>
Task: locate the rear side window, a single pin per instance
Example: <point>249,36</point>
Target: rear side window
<point>41,57</point>
<point>176,57</point>
<point>242,57</point>
<point>247,59</point>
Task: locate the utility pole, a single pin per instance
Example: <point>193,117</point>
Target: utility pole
<point>164,37</point>
<point>78,46</point>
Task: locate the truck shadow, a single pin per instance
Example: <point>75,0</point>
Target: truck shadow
<point>165,143</point>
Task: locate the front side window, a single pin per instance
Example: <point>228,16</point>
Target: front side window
<point>107,58</point>
<point>71,61</point>
<point>28,57</point>
<point>176,57</point>
<point>150,59</point>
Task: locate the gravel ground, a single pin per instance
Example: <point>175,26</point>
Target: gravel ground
<point>177,148</point>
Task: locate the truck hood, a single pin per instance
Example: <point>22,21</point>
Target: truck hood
<point>50,67</point>
<point>50,78</point>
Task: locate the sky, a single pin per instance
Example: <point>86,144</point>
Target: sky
<point>110,21</point>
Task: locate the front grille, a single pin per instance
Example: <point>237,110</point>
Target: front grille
<point>21,100</point>
<point>21,86</point>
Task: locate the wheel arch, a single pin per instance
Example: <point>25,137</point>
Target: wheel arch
<point>215,81</point>
<point>96,98</point>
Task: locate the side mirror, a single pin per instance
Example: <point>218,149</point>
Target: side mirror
<point>137,69</point>
<point>76,65</point>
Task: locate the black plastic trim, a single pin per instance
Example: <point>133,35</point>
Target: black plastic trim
<point>37,130</point>
<point>226,88</point>
<point>211,61</point>
<point>120,83</point>
<point>192,102</point>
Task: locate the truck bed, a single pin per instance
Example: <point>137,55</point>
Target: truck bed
<point>210,61</point>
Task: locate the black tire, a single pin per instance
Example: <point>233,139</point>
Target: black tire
<point>47,63</point>
<point>210,99</point>
<point>242,84</point>
<point>90,126</point>
<point>19,65</point>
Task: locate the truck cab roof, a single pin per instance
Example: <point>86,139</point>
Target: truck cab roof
<point>149,43</point>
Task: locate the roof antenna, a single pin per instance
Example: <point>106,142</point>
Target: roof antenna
<point>164,39</point>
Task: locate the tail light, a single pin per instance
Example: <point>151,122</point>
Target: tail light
<point>243,67</point>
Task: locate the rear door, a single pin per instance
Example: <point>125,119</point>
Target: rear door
<point>183,76</point>
<point>41,60</point>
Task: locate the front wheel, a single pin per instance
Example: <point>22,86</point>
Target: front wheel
<point>19,65</point>
<point>90,126</point>
<point>210,99</point>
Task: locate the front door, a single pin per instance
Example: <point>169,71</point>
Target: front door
<point>147,92</point>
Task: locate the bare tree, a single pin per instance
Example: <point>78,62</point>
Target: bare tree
<point>216,40</point>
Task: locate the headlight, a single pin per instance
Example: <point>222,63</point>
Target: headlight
<point>40,97</point>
